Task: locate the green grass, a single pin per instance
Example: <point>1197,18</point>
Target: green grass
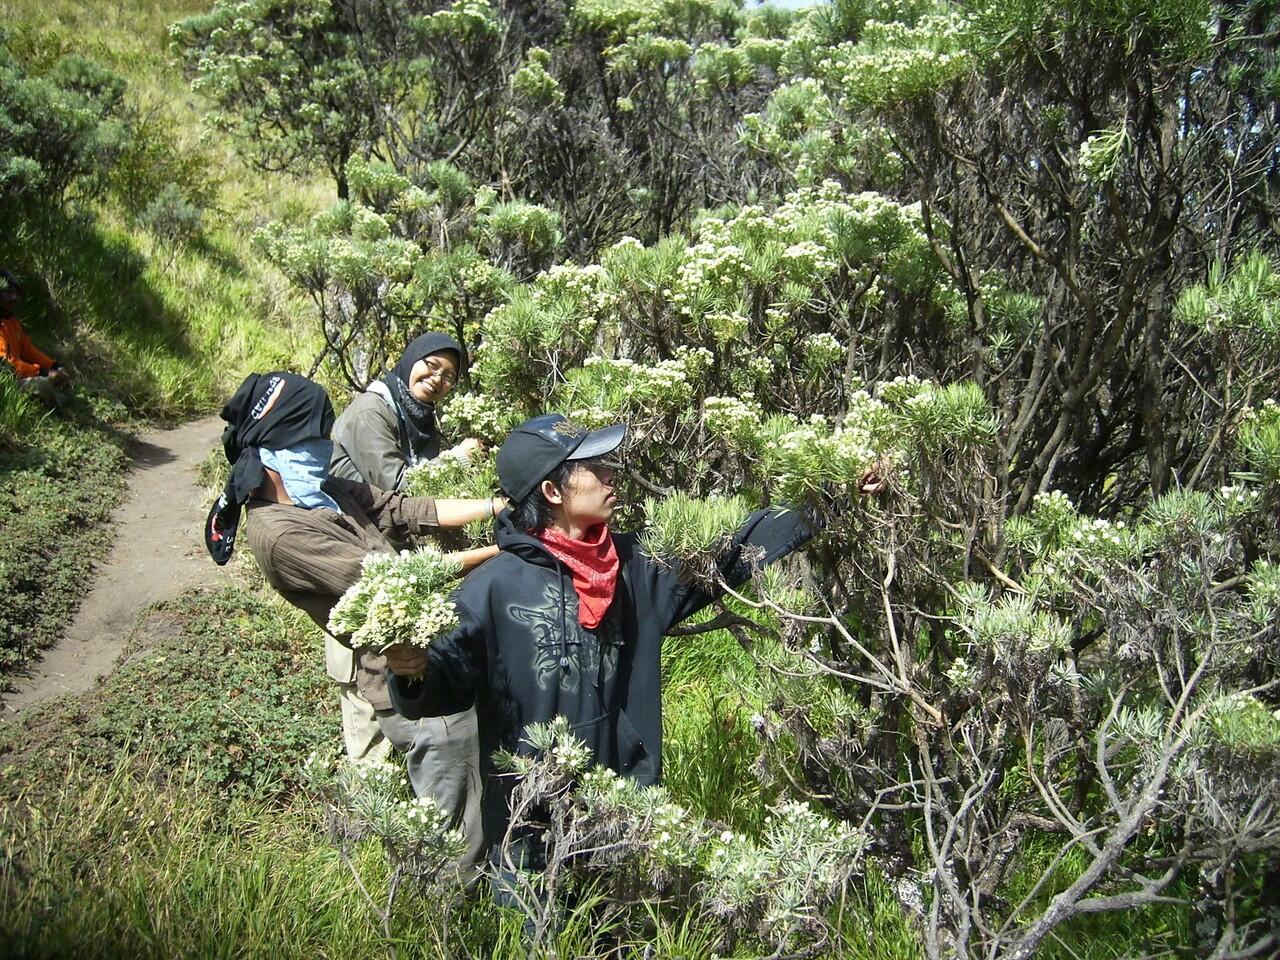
<point>54,499</point>
<point>167,329</point>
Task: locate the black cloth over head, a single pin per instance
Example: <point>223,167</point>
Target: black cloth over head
<point>273,410</point>
<point>419,433</point>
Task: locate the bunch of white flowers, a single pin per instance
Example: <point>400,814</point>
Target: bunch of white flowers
<point>821,351</point>
<point>736,419</point>
<point>477,415</point>
<point>398,599</point>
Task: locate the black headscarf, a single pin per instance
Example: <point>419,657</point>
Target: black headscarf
<point>419,434</point>
<point>272,410</point>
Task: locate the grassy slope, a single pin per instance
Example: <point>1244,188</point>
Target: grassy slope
<point>150,332</point>
<point>167,331</point>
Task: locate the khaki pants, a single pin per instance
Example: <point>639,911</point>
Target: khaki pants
<point>361,733</point>
<point>442,754</point>
<point>444,764</point>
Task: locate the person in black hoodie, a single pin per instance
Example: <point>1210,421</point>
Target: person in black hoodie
<point>568,619</point>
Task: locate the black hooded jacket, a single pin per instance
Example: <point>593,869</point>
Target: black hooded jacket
<point>520,653</point>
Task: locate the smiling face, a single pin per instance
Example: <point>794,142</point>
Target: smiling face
<point>433,376</point>
<point>587,498</point>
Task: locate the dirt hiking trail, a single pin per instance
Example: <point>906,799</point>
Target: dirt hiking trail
<point>157,552</point>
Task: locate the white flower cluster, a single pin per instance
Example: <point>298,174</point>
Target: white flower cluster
<point>759,369</point>
<point>721,268</point>
<point>736,419</point>
<point>571,754</point>
<point>696,360</point>
<point>669,837</point>
<point>583,290</point>
<point>902,388</point>
<point>533,82</point>
<point>727,326</point>
<point>1269,409</point>
<point>475,415</point>
<point>1099,533</point>
<point>962,675</point>
<point>436,478</point>
<point>398,599</point>
<point>801,862</point>
<point>805,457</point>
<point>1239,499</point>
<point>371,796</point>
<point>609,389</point>
<point>1046,526</point>
<point>806,261</point>
<point>821,351</point>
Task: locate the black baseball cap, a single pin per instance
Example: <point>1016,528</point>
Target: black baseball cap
<point>538,446</point>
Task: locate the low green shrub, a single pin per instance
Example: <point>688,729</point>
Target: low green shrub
<point>223,687</point>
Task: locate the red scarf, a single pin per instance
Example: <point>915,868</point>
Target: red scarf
<point>594,565</point>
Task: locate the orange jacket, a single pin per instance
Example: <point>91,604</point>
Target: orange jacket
<point>17,348</point>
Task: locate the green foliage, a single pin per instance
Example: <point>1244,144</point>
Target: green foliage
<point>683,529</point>
<point>171,217</point>
<point>59,128</point>
<point>610,833</point>
<point>126,862</point>
<point>374,800</point>
<point>519,231</point>
<point>703,719</point>
<point>1244,302</point>
<point>534,83</point>
<point>223,688</point>
<point>400,258</point>
<point>55,497</point>
<point>19,411</point>
<point>278,73</point>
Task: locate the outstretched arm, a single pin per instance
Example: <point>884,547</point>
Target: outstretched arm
<point>767,536</point>
<point>399,517</point>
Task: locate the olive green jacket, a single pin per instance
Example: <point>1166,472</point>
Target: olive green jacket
<point>367,445</point>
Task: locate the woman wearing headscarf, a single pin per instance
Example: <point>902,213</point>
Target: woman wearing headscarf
<point>392,425</point>
<point>387,429</point>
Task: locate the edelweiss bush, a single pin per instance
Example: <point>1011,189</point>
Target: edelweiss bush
<point>604,831</point>
<point>985,252</point>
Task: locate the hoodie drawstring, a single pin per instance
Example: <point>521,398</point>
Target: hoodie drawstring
<point>564,640</point>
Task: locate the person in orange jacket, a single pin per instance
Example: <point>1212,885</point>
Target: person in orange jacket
<point>35,370</point>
